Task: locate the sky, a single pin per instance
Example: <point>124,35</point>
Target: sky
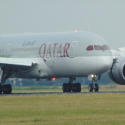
<point>103,17</point>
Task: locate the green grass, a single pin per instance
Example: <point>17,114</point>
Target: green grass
<point>65,109</point>
<point>37,89</point>
<point>111,87</point>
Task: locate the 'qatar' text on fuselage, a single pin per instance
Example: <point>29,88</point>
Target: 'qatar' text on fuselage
<point>54,50</point>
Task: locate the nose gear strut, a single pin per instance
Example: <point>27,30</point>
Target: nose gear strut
<point>94,85</point>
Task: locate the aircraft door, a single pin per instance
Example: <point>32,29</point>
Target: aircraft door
<point>72,49</point>
<point>7,50</point>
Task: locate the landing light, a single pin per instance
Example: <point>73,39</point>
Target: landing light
<point>93,75</point>
<point>53,78</point>
<point>75,31</point>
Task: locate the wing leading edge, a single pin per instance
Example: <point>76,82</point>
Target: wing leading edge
<point>17,63</point>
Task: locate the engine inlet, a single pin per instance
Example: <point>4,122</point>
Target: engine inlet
<point>124,71</point>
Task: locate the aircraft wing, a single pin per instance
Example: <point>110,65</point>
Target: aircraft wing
<point>17,63</point>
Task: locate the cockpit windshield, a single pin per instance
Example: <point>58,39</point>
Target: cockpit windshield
<point>89,48</point>
<point>105,47</point>
<point>97,47</point>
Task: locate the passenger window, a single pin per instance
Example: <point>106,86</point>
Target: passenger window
<point>30,49</point>
<point>20,49</point>
<point>23,49</point>
<point>97,47</point>
<point>89,48</point>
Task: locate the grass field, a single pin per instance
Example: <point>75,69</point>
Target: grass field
<point>111,87</point>
<point>65,109</point>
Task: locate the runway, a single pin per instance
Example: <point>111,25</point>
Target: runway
<point>59,93</point>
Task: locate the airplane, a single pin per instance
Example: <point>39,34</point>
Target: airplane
<point>57,55</point>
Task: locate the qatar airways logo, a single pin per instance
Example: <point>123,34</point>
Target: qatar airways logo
<point>28,43</point>
<point>54,50</point>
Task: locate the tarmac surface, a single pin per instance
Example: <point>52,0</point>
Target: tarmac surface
<point>59,93</point>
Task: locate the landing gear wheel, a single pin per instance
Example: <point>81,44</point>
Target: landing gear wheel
<point>90,87</point>
<point>96,88</point>
<point>76,87</point>
<point>0,89</point>
<point>7,89</point>
<point>66,87</point>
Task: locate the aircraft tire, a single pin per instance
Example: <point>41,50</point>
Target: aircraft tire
<point>76,87</point>
<point>96,87</point>
<point>0,89</point>
<point>66,87</point>
<point>90,87</point>
<point>7,89</point>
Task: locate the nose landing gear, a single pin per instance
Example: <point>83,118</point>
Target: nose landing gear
<point>94,86</point>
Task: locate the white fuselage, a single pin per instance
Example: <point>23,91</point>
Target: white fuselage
<point>57,54</point>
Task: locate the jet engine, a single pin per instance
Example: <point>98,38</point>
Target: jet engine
<point>117,71</point>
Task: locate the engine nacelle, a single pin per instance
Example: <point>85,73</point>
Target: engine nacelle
<point>117,72</point>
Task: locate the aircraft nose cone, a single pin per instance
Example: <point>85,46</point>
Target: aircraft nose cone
<point>104,63</point>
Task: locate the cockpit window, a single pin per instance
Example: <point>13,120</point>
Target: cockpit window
<point>89,48</point>
<point>97,47</point>
<point>108,47</point>
<point>105,47</point>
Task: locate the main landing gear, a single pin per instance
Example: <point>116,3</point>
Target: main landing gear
<point>93,86</point>
<point>5,89</point>
<point>74,87</point>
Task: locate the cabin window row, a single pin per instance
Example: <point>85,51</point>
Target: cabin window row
<point>97,47</point>
<point>24,49</point>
